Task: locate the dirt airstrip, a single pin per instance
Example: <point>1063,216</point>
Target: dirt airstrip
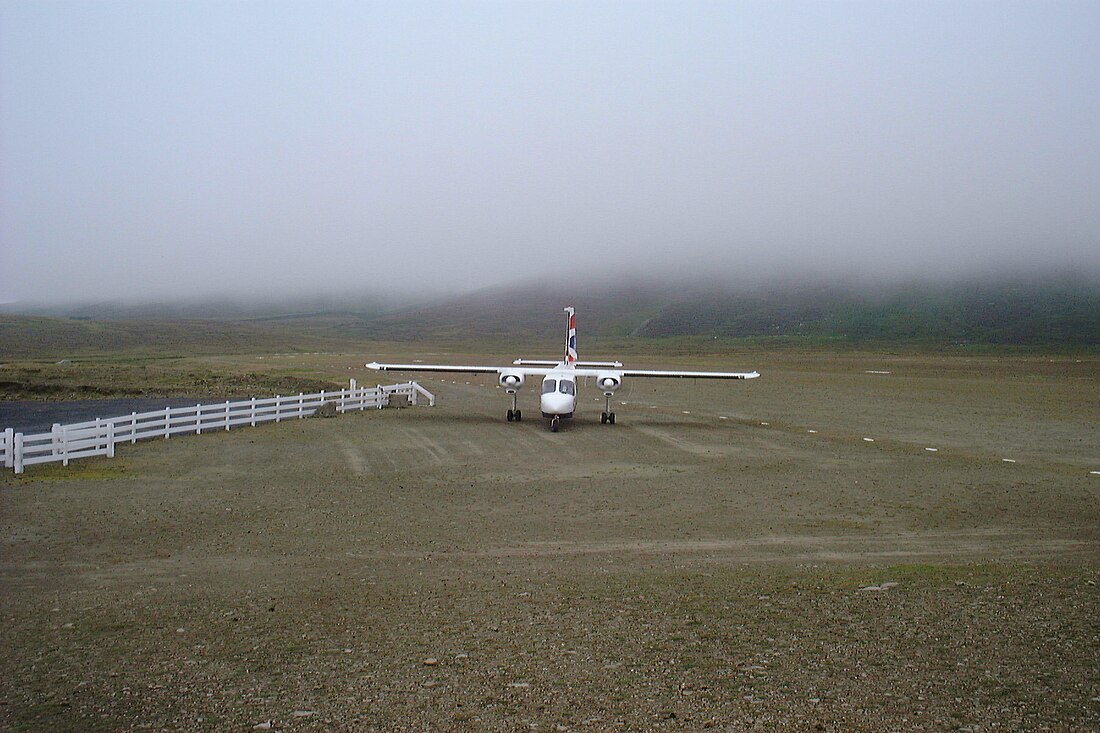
<point>782,554</point>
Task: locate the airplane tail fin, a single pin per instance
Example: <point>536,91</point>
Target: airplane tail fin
<point>571,337</point>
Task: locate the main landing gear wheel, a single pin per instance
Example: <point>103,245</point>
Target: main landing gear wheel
<point>519,415</point>
<point>553,425</point>
<point>511,415</point>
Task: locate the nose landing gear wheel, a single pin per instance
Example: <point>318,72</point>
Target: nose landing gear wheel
<point>553,425</point>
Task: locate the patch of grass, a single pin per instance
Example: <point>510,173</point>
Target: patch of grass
<point>82,469</point>
<point>98,379</point>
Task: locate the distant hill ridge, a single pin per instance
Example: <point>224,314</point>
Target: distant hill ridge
<point>1047,313</point>
<point>1061,313</point>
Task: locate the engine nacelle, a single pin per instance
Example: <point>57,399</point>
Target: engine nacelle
<point>608,382</point>
<point>511,381</point>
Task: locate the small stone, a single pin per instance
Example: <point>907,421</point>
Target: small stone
<point>519,684</point>
<point>181,630</point>
<point>304,713</point>
<point>431,662</point>
<point>266,725</point>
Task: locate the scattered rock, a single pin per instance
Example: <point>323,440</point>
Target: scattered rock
<point>519,684</point>
<point>262,726</point>
<point>304,713</point>
<point>431,662</point>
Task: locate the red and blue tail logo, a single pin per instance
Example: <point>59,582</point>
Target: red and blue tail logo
<point>571,337</point>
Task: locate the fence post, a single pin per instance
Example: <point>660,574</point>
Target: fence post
<point>55,439</point>
<point>9,448</point>
<point>110,438</point>
<point>65,444</point>
<point>198,419</point>
<point>381,397</point>
<point>133,428</point>
<point>252,412</point>
<point>278,405</point>
<point>167,423</point>
<point>17,451</point>
<point>301,409</point>
<point>227,414</point>
<point>98,434</point>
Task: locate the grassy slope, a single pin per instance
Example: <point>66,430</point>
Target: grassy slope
<point>35,337</point>
<point>1018,314</point>
<point>1046,315</point>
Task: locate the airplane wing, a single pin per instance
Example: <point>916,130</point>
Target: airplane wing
<point>583,372</point>
<point>689,375</point>
<point>666,374</point>
<point>454,368</point>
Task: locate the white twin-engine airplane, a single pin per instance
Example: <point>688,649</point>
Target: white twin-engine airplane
<point>559,378</point>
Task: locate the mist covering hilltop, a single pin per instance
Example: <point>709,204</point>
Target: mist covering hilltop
<point>1047,311</point>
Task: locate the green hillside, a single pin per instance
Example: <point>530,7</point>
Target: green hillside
<point>1041,314</point>
<point>1017,314</point>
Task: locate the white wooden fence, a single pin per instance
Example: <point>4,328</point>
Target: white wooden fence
<point>98,437</point>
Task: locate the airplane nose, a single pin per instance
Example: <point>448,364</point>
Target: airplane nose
<point>557,404</point>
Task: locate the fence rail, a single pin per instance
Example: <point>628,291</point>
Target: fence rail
<point>98,437</point>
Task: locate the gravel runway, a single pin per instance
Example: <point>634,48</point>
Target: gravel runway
<point>441,569</point>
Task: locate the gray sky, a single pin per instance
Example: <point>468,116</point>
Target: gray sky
<point>155,149</point>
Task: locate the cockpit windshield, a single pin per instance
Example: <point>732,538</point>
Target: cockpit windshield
<point>567,387</point>
<point>549,385</point>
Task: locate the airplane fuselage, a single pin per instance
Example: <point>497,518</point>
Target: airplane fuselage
<point>559,392</point>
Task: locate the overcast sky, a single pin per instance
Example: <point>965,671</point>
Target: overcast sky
<point>155,149</point>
